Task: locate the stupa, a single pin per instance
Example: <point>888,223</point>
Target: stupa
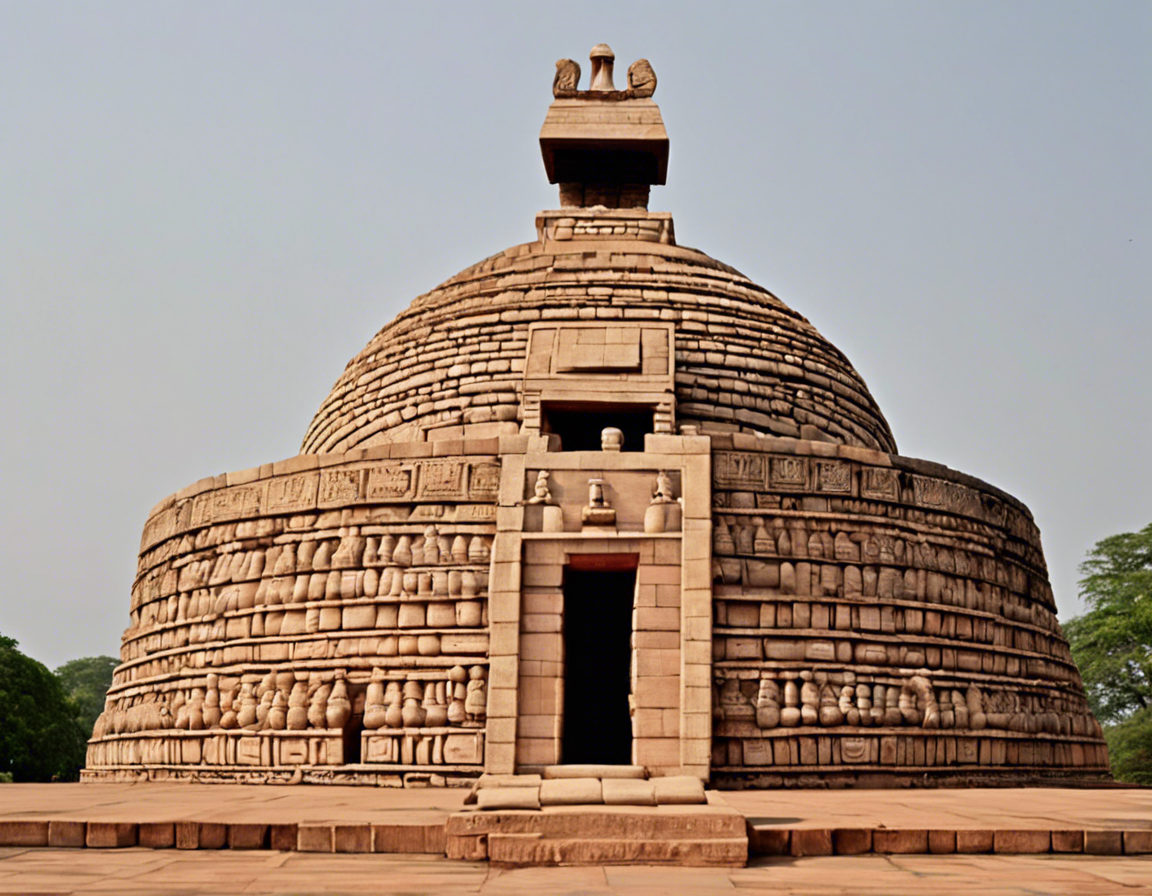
<point>597,499</point>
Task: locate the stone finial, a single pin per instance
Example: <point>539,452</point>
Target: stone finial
<point>567,78</point>
<point>602,60</point>
<point>641,78</point>
<point>611,439</point>
<point>598,512</point>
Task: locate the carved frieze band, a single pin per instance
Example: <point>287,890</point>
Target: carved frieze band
<point>450,479</point>
<point>757,472</point>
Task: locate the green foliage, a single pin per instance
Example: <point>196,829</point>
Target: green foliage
<point>1112,645</point>
<point>86,681</point>
<point>1130,748</point>
<point>40,739</point>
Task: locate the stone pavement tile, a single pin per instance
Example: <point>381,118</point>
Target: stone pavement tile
<point>635,880</point>
<point>915,875</point>
<point>156,835</point>
<point>1137,842</point>
<point>24,833</point>
<point>763,841</point>
<point>423,873</point>
<point>352,838</point>
<point>1021,841</point>
<point>1067,841</point>
<point>1056,875</point>
<point>851,841</point>
<point>1103,843</point>
<point>247,835</point>
<point>1129,871</point>
<point>900,841</point>
<point>314,838</point>
<point>811,842</point>
<point>941,842</point>
<point>582,879</point>
<point>110,834</point>
<point>974,841</point>
<point>283,836</point>
<point>66,834</point>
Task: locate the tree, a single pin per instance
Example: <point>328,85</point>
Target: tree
<point>39,737</point>
<point>1112,645</point>
<point>85,682</point>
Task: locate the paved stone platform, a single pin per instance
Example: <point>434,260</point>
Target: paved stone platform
<point>1110,821</point>
<point>148,872</point>
<point>1105,821</point>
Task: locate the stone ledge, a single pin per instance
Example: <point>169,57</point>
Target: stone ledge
<point>766,840</point>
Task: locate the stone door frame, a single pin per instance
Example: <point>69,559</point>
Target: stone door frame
<point>523,712</point>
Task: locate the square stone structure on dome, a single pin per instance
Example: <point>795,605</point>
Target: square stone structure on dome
<point>577,126</point>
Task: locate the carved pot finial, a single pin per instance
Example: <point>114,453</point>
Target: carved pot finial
<point>602,60</point>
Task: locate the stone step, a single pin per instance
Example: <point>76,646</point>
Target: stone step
<point>532,792</point>
<point>530,849</point>
<point>626,822</point>
<point>594,771</point>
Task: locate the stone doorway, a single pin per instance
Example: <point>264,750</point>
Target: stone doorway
<point>597,722</point>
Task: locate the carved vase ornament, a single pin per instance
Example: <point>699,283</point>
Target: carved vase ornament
<point>339,707</point>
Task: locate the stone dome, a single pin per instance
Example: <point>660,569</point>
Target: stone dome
<point>452,364</point>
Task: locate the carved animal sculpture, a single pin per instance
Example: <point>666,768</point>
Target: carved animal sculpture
<point>567,77</point>
<point>641,78</point>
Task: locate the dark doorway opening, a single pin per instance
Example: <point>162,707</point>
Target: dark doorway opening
<point>597,670</point>
<point>579,424</point>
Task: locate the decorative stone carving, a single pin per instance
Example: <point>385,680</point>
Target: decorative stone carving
<point>339,707</point>
<point>541,493</point>
<point>393,700</point>
<point>602,60</point>
<point>598,512</point>
<point>733,703</point>
<point>768,704</point>
<point>318,702</point>
<point>458,681</point>
<point>476,699</point>
<point>663,514</point>
<point>297,717</point>
<point>374,707</point>
<point>611,439</point>
<point>567,80</point>
<point>641,78</point>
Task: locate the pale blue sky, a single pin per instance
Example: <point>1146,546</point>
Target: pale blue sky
<point>207,208</point>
